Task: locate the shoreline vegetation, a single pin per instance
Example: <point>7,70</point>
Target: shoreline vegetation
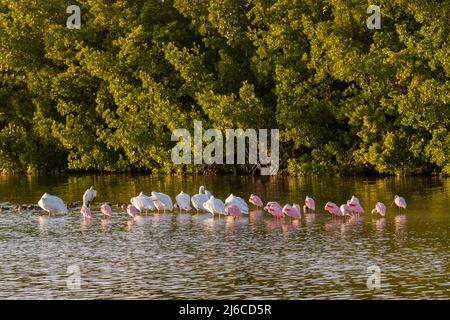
<point>105,98</point>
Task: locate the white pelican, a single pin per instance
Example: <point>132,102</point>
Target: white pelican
<point>238,201</point>
<point>183,201</point>
<point>202,190</point>
<point>214,205</point>
<point>162,201</point>
<point>51,204</point>
<point>198,200</point>
<point>88,196</point>
<point>142,202</point>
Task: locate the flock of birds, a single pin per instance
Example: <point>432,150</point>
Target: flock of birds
<point>205,201</point>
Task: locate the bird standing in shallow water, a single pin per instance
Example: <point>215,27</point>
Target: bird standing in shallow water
<point>310,205</point>
<point>292,211</point>
<point>106,209</point>
<point>255,200</point>
<point>274,209</point>
<point>132,211</point>
<point>380,208</point>
<point>52,204</point>
<point>400,202</point>
<point>89,196</point>
<point>162,201</point>
<point>214,205</point>
<point>142,202</point>
<point>333,209</point>
<point>183,201</point>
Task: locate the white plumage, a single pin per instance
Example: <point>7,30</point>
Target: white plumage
<point>202,190</point>
<point>142,202</point>
<point>162,201</point>
<point>88,196</point>
<point>198,200</point>
<point>183,201</point>
<point>52,204</point>
<point>214,205</point>
<point>238,201</point>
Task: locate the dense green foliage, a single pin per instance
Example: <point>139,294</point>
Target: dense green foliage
<point>106,97</point>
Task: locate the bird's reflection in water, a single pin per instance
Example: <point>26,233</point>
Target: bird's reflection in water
<point>334,224</point>
<point>85,225</point>
<point>233,224</point>
<point>134,222</point>
<point>49,221</point>
<point>310,219</point>
<point>105,225</point>
<point>275,224</point>
<point>294,225</point>
<point>400,227</point>
<point>43,226</point>
<point>255,215</point>
<point>380,225</point>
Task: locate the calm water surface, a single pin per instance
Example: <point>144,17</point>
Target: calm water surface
<point>175,256</point>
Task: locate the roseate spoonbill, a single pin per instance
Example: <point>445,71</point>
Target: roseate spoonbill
<point>202,190</point>
<point>52,204</point>
<point>310,204</point>
<point>380,208</point>
<point>214,205</point>
<point>183,201</point>
<point>292,211</point>
<point>232,199</point>
<point>255,200</point>
<point>333,209</point>
<point>346,210</point>
<point>400,202</point>
<point>106,209</point>
<point>162,201</point>
<point>233,210</point>
<point>142,202</point>
<point>132,210</point>
<point>274,209</point>
<point>354,204</point>
<point>88,196</point>
<point>198,200</point>
<point>86,212</point>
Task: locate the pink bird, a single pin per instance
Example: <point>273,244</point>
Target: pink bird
<point>132,211</point>
<point>333,209</point>
<point>255,200</point>
<point>293,211</point>
<point>310,204</point>
<point>274,209</point>
<point>400,202</point>
<point>233,210</point>
<point>380,208</point>
<point>86,212</point>
<point>355,205</point>
<point>106,209</point>
<point>346,210</point>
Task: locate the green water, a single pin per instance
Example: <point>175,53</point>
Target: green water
<point>175,256</point>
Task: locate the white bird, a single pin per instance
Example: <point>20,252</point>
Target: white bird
<point>142,202</point>
<point>202,190</point>
<point>214,205</point>
<point>400,202</point>
<point>346,210</point>
<point>198,200</point>
<point>88,196</point>
<point>52,204</point>
<point>162,201</point>
<point>238,201</point>
<point>183,201</point>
